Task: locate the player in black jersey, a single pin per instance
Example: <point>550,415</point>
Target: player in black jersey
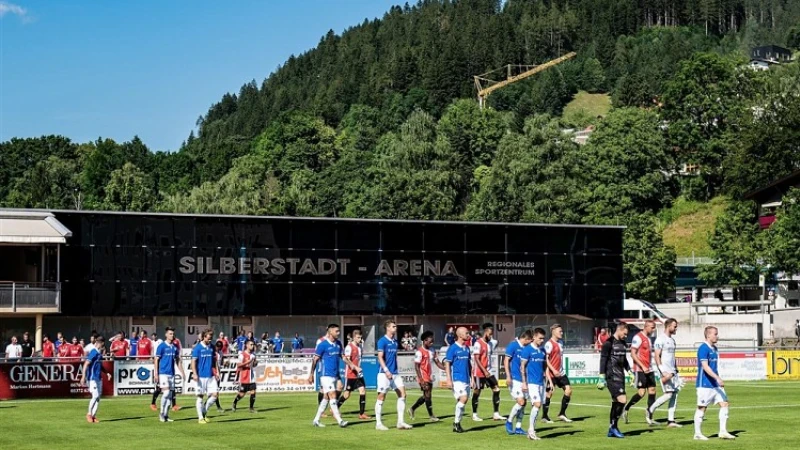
<point>613,366</point>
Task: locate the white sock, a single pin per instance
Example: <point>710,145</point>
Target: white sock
<point>459,412</point>
<point>401,410</point>
<point>534,413</point>
<point>660,401</point>
<point>378,410</point>
<point>698,421</point>
<point>323,405</point>
<point>514,412</point>
<point>520,416</point>
<point>673,405</point>
<point>335,411</point>
<point>199,405</point>
<point>209,403</point>
<point>93,405</point>
<point>723,419</point>
<point>165,400</point>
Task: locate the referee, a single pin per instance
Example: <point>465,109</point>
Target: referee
<point>613,365</point>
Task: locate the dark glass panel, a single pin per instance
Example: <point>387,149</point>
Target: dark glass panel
<point>603,269</point>
<point>212,232</point>
<point>603,241</point>
<point>76,263</point>
<point>565,240</point>
<point>265,234</point>
<point>161,265</point>
<point>415,267</point>
<point>159,231</point>
<point>401,236</point>
<point>604,301</point>
<point>358,235</point>
<point>531,299</point>
<point>565,269</point>
<point>184,298</point>
<point>486,238</point>
<point>184,232</point>
<point>76,298</point>
<point>314,234</point>
<point>444,238</point>
<point>511,268</point>
<point>357,298</point>
<point>313,299</point>
<point>104,299</point>
<point>306,266</point>
<point>103,227</point>
<point>395,298</point>
<point>565,298</point>
<point>159,299</point>
<point>522,239</point>
<point>277,297</point>
<point>358,266</point>
<point>128,230</point>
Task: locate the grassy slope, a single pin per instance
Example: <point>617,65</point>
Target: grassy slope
<point>585,107</point>
<point>762,414</point>
<point>687,225</point>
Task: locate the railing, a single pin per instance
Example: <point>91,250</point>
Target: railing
<point>22,296</point>
<point>693,261</point>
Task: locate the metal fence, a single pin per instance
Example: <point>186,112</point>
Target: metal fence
<point>16,296</point>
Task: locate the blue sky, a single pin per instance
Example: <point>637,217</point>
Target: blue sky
<point>85,69</point>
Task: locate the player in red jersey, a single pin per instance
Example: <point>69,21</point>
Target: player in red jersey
<point>554,348</point>
<point>144,348</point>
<point>48,348</point>
<point>354,376</point>
<point>63,349</point>
<point>482,353</point>
<point>120,346</point>
<point>645,379</point>
<point>424,359</point>
<point>245,366</point>
<point>225,343</point>
<point>75,350</point>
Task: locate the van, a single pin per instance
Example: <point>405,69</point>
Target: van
<point>642,310</point>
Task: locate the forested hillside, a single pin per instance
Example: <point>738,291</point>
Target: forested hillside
<point>381,121</point>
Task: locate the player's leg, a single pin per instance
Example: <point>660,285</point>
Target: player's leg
<point>213,396</point>
<point>535,393</point>
<point>617,408</point>
<point>348,387</point>
<point>461,392</point>
<point>383,387</point>
<point>156,393</point>
<point>641,384</point>
<point>549,388</point>
<point>722,400</point>
<point>332,402</point>
<point>327,386</point>
<point>420,401</point>
<point>519,403</point>
<point>564,383</point>
<point>164,387</point>
<point>705,397</point>
<point>668,391</point>
<point>239,394</point>
<point>476,395</point>
<point>400,389</point>
<point>651,399</point>
<point>94,402</point>
<point>362,401</point>
<point>495,398</point>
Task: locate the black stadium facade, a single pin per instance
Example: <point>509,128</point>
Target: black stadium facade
<point>152,265</point>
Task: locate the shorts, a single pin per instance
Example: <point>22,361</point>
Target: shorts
<point>166,382</point>
<point>711,396</point>
<point>483,383</point>
<point>616,388</point>
<point>426,386</point>
<point>327,384</point>
<point>460,389</point>
<point>354,384</point>
<point>385,385</point>
<point>673,385</point>
<point>535,393</point>
<point>645,380</point>
<point>95,387</point>
<point>247,387</point>
<point>560,382</point>
<point>207,386</point>
<point>516,390</point>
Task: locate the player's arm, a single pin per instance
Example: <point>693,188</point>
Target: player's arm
<point>635,344</point>
<point>194,366</point>
<point>711,374</point>
<point>85,370</point>
<point>523,365</point>
<point>548,349</point>
<point>448,368</point>
<point>382,362</point>
<point>507,366</point>
<point>476,353</point>
<point>605,355</point>
<point>438,363</point>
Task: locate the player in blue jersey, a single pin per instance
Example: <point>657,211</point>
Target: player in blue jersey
<point>512,363</point>
<point>328,354</point>
<point>458,369</point>
<point>168,357</point>
<point>533,367</point>
<point>93,371</point>
<point>388,378</point>
<point>710,387</point>
<point>203,357</point>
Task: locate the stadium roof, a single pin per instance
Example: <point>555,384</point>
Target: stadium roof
<point>31,227</point>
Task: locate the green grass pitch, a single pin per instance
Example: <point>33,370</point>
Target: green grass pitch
<point>764,415</point>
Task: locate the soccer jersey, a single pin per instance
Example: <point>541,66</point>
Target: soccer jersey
<point>95,365</point>
<point>514,351</point>
<point>119,348</point>
<point>297,344</point>
<point>225,345</point>
<point>389,349</point>
<point>144,347</point>
<point>48,350</point>
<point>641,344</point>
<point>707,353</point>
<point>248,374</point>
<point>483,356</point>
<point>353,353</point>
<point>667,346</point>
<point>459,357</point>
<point>535,367</point>
<point>167,354</point>
<point>240,341</point>
<point>277,345</point>
<point>329,353</point>
<point>555,352</point>
<point>134,342</point>
<point>424,357</point>
<point>63,351</point>
<point>75,351</point>
<point>204,354</point>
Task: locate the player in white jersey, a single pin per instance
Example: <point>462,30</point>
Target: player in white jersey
<point>668,369</point>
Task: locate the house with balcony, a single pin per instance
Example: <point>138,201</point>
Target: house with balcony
<point>761,58</point>
<point>770,197</point>
<point>30,268</point>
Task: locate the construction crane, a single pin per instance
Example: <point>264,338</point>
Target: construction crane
<point>486,85</point>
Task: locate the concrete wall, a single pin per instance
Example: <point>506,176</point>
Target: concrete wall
<point>783,323</point>
<point>743,335</point>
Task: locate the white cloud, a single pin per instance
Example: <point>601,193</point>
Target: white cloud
<point>11,8</point>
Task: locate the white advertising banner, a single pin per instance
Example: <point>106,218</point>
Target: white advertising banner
<point>744,366</point>
<point>582,368</point>
<point>134,377</point>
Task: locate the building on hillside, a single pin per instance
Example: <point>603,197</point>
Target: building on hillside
<point>766,55</point>
<point>77,271</point>
<point>770,197</point>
